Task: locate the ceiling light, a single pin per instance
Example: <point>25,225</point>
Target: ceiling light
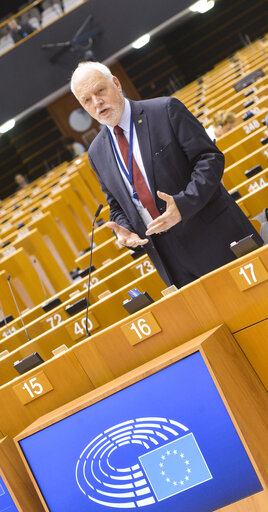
<point>7,126</point>
<point>202,6</point>
<point>142,41</point>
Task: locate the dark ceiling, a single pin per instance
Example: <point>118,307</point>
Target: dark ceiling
<point>186,48</point>
<point>10,7</point>
<point>31,75</point>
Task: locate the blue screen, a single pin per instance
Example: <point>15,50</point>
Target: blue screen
<point>164,444</point>
<point>6,502</point>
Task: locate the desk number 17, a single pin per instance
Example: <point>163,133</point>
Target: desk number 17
<point>251,276</point>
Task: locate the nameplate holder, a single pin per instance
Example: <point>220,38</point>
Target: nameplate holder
<point>59,350</point>
<point>169,290</point>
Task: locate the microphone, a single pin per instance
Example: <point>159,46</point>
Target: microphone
<point>16,304</point>
<point>90,262</point>
<point>97,214</point>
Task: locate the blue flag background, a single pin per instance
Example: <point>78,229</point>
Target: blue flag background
<point>175,467</point>
<point>120,435</point>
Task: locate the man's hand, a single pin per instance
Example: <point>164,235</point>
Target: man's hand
<point>126,237</point>
<point>168,219</point>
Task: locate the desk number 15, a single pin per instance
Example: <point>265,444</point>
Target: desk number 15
<point>34,388</point>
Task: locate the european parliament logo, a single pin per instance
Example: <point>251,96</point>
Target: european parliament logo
<point>168,462</point>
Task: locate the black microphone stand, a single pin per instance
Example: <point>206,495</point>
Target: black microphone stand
<point>90,263</point>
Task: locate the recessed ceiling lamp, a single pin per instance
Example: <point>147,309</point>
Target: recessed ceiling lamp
<point>202,6</point>
<point>142,41</point>
<point>7,126</point>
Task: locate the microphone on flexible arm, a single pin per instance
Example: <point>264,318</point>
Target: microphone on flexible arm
<point>90,262</point>
<point>16,304</point>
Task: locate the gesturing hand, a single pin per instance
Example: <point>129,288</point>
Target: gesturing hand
<point>126,237</point>
<point>168,219</point>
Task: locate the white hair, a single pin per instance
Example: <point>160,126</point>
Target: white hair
<point>89,67</point>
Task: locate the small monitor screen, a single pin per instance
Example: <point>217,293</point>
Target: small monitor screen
<point>6,502</point>
<point>165,443</point>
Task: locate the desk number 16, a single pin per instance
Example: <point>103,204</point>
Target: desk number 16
<point>142,329</point>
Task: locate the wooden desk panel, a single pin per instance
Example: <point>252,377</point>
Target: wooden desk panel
<point>68,380</point>
<point>254,342</point>
<point>255,202</point>
<point>248,186</point>
<point>235,174</point>
<point>175,318</point>
<point>24,277</point>
<point>242,130</point>
<point>106,312</point>
<point>237,384</point>
<point>16,478</point>
<point>238,309</point>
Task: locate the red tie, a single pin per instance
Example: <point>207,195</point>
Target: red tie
<point>140,186</point>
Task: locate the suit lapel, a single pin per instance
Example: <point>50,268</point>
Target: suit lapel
<point>142,130</point>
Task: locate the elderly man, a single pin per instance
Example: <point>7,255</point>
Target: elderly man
<point>161,174</point>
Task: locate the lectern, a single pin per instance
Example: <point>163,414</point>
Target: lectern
<point>185,431</point>
<point>17,493</point>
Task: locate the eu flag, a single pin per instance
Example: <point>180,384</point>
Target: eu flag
<point>175,467</point>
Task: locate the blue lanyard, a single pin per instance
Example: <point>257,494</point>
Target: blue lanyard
<point>128,173</point>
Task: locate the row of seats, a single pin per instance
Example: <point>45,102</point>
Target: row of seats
<point>49,11</point>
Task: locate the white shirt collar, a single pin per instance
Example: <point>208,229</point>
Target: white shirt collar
<point>125,118</point>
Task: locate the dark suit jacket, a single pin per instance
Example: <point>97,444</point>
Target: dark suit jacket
<point>181,160</point>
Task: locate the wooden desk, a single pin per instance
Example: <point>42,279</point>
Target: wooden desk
<point>235,174</point>
<point>253,342</point>
<point>67,380</point>
<point>247,145</point>
<point>28,316</point>
<point>241,130</point>
<point>102,314</point>
<point>16,478</point>
<point>255,202</point>
<point>240,308</point>
<point>242,394</point>
<point>254,183</point>
<point>24,277</point>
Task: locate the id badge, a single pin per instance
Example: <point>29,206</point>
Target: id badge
<point>145,215</point>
